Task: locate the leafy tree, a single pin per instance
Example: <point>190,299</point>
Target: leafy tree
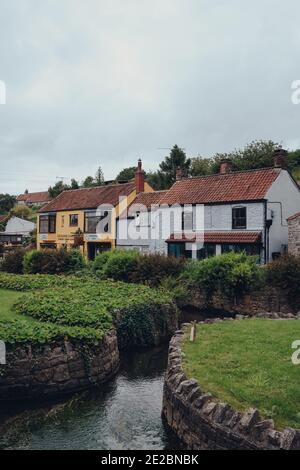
<point>176,159</point>
<point>88,182</point>
<point>201,166</point>
<point>7,202</point>
<point>158,180</point>
<point>57,189</point>
<point>126,174</point>
<point>74,184</point>
<point>22,211</point>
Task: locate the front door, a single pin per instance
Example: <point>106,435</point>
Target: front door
<point>95,248</point>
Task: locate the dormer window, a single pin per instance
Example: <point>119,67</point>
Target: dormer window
<point>239,218</point>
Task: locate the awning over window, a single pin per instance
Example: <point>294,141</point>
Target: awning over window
<point>231,237</point>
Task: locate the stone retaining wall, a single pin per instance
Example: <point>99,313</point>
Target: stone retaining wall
<point>35,371</point>
<point>202,423</point>
<point>265,300</point>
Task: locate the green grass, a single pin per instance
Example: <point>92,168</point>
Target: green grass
<point>7,300</point>
<point>247,364</point>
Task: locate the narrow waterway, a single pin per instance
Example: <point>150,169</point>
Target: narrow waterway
<point>125,414</point>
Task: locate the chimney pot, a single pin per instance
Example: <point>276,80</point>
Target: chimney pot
<point>280,158</point>
<point>226,167</point>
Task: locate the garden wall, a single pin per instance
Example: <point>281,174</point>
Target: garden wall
<point>266,300</point>
<point>42,371</point>
<point>204,424</point>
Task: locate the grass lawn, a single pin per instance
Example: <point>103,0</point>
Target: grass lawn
<point>7,299</point>
<point>247,364</point>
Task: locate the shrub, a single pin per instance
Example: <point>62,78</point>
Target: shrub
<point>117,265</point>
<point>284,273</point>
<point>131,266</point>
<point>100,262</point>
<point>153,268</point>
<point>51,261</point>
<point>232,274</point>
<point>13,261</point>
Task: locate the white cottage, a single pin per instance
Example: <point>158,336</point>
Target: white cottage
<point>230,211</point>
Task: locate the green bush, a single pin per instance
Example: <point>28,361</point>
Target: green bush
<point>51,261</point>
<point>117,265</point>
<point>284,273</point>
<point>100,262</point>
<point>131,266</point>
<point>13,261</point>
<point>231,274</point>
<point>152,269</point>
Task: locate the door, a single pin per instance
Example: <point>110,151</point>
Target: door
<point>95,248</point>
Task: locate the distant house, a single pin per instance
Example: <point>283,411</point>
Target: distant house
<point>86,218</point>
<point>16,230</point>
<point>15,225</point>
<point>34,199</point>
<point>230,211</point>
<point>294,234</point>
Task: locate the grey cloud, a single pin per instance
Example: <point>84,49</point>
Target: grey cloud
<point>103,83</point>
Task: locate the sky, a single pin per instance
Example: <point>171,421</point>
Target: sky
<point>105,82</point>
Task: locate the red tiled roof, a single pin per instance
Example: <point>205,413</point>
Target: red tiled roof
<point>3,218</point>
<point>217,237</point>
<point>35,198</point>
<point>147,200</point>
<point>89,198</point>
<point>295,216</point>
<point>230,187</point>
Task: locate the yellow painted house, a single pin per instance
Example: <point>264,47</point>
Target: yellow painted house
<point>86,218</point>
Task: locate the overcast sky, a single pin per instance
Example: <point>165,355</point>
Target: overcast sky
<point>104,82</point>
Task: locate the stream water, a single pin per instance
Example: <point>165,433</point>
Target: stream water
<point>125,414</point>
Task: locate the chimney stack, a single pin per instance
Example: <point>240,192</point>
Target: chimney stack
<point>226,167</point>
<point>280,158</point>
<point>139,178</point>
<point>179,174</point>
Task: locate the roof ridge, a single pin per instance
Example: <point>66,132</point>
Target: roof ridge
<point>230,173</point>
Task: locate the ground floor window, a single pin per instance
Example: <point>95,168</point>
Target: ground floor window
<point>251,249</point>
<point>177,249</point>
<point>208,250</point>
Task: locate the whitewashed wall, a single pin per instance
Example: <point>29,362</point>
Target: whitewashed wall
<point>286,192</point>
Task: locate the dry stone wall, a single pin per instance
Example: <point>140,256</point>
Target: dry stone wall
<point>203,423</point>
<point>35,371</point>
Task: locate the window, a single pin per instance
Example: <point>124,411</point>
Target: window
<point>207,251</point>
<point>187,220</point>
<point>48,223</point>
<point>62,220</point>
<point>239,218</point>
<point>74,220</point>
<point>97,223</point>
<point>176,249</point>
<point>250,249</point>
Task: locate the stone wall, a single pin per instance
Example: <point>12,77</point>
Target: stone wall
<point>265,300</point>
<point>58,368</point>
<point>294,235</point>
<point>202,423</point>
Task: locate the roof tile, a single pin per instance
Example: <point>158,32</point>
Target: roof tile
<point>230,187</point>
